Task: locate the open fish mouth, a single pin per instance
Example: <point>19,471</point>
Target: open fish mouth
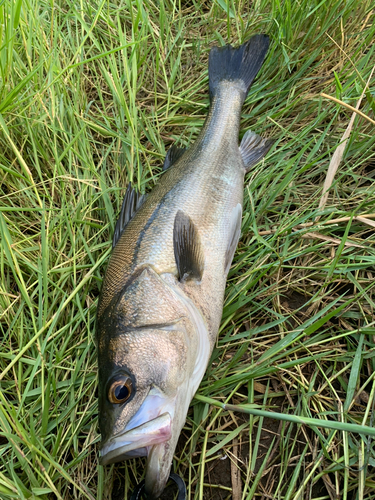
<point>137,442</point>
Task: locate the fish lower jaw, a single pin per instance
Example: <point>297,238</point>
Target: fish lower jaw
<point>137,442</point>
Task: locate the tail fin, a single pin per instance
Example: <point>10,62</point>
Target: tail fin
<point>241,64</point>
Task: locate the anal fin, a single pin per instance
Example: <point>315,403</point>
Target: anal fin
<point>188,250</point>
<point>132,201</point>
<point>253,148</point>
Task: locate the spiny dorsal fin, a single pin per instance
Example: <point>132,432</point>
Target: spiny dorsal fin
<point>173,154</point>
<point>188,251</point>
<point>132,201</point>
<point>253,148</point>
<point>235,225</point>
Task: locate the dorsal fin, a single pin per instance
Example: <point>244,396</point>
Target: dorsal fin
<point>235,233</point>
<point>132,201</point>
<point>173,154</point>
<point>188,251</point>
<point>253,148</point>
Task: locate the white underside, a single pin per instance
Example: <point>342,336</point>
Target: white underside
<point>203,342</point>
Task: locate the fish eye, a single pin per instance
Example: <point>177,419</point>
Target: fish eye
<point>120,390</point>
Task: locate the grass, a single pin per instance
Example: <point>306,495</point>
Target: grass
<point>92,94</point>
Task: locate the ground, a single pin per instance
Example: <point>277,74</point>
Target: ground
<point>92,95</point>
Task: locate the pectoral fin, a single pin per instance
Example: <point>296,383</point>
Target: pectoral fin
<point>253,148</point>
<point>188,250</point>
<point>132,201</point>
<point>235,225</point>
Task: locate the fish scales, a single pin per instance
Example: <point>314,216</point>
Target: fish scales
<point>207,182</point>
<point>162,296</point>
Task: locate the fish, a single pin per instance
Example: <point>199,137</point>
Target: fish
<point>162,295</point>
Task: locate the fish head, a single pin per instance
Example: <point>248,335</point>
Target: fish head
<point>145,369</point>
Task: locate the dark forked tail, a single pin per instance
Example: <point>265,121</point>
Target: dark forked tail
<point>237,64</point>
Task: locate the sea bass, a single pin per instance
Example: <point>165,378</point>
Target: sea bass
<point>162,296</point>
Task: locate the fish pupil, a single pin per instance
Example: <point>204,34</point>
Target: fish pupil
<point>121,392</point>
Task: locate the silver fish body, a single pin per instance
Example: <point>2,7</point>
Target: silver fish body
<point>162,296</point>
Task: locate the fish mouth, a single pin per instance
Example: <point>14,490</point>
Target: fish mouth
<point>137,442</point>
